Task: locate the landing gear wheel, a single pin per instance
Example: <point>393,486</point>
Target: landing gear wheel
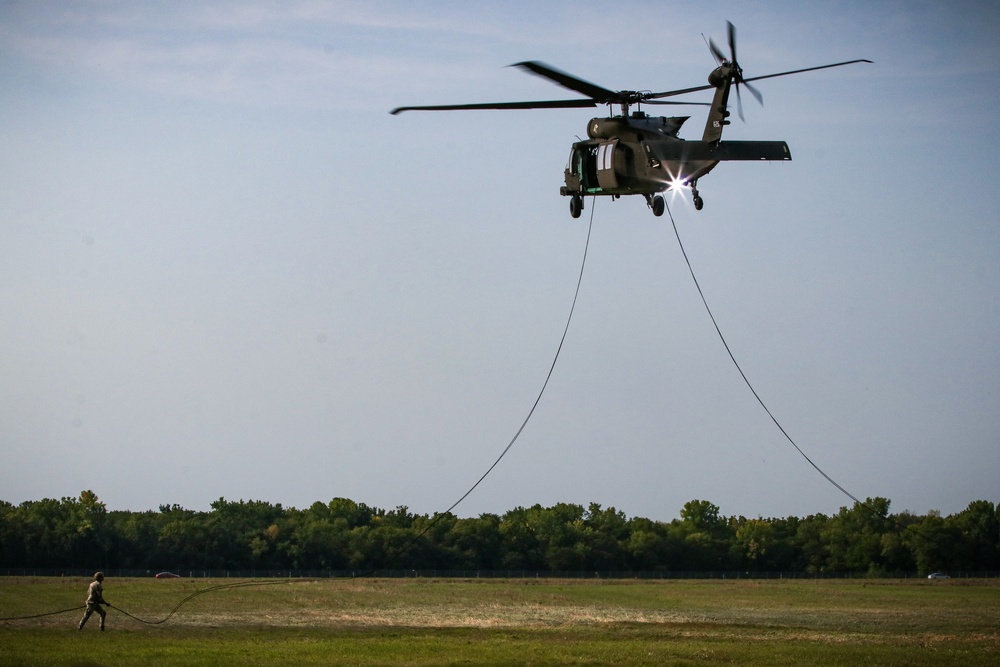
<point>658,206</point>
<point>696,198</point>
<point>576,206</point>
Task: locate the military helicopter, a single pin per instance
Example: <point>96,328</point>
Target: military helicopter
<point>638,154</point>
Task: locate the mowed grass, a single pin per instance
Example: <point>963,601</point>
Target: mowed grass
<point>504,622</point>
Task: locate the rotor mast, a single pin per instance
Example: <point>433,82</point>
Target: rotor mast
<point>625,99</point>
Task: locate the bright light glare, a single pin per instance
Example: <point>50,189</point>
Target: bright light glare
<point>674,185</point>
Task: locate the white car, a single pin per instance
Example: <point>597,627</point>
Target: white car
<point>938,575</point>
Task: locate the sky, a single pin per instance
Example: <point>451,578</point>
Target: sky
<point>227,271</point>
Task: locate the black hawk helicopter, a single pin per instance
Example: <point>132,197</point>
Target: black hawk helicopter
<point>638,154</point>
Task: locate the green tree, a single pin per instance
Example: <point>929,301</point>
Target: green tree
<point>184,540</point>
<point>236,533</point>
<point>810,540</point>
<point>754,540</point>
<point>706,537</point>
<point>135,539</point>
<point>92,526</point>
<point>475,543</point>
<point>782,553</point>
<point>648,546</point>
<point>932,543</point>
<point>350,513</point>
<point>701,516</point>
<point>397,518</point>
<point>559,529</point>
<point>977,533</point>
<point>13,537</point>
<point>319,544</point>
<point>854,537</point>
<point>521,546</point>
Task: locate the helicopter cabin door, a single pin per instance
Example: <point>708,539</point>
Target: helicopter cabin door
<point>606,177</point>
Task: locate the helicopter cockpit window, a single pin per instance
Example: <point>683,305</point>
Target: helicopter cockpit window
<point>606,177</point>
<point>605,153</point>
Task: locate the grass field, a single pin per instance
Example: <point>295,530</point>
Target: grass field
<point>504,622</point>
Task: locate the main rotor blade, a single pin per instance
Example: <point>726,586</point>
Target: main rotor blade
<point>665,102</point>
<point>716,52</point>
<point>545,104</point>
<point>683,91</point>
<point>807,69</point>
<point>568,80</point>
<point>599,95</point>
<point>672,93</point>
<point>732,40</point>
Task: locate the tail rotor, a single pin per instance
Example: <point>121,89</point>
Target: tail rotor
<point>735,71</point>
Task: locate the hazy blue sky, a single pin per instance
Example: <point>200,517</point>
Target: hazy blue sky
<point>226,270</point>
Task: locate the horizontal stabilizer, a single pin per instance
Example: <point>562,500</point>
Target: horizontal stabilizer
<point>702,151</point>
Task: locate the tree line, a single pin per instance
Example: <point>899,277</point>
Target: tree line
<point>346,535</point>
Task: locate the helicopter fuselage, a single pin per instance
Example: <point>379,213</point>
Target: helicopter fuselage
<point>624,156</point>
<point>642,155</point>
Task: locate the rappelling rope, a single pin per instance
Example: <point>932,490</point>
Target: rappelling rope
<point>48,613</point>
<point>210,589</point>
<point>864,505</point>
<point>576,294</point>
<point>552,367</point>
<point>744,376</point>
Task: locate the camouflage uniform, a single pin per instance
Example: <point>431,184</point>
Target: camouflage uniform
<point>95,598</point>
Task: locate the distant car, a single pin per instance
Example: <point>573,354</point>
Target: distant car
<point>938,575</point>
<point>168,575</point>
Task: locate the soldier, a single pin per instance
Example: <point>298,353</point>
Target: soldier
<point>95,598</point>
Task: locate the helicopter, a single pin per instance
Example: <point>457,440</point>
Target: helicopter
<point>638,154</point>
